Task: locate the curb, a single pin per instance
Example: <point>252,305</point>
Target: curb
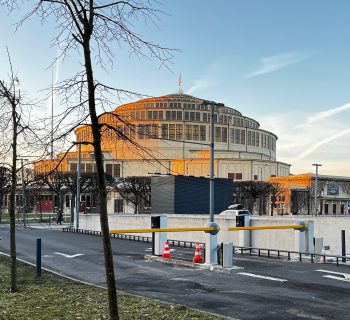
<point>188,264</point>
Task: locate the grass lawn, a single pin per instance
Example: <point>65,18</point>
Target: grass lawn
<point>34,218</point>
<point>52,297</point>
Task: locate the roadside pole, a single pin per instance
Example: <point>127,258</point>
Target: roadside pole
<point>211,257</point>
<point>77,204</point>
<point>38,257</point>
<point>343,245</point>
<point>24,202</point>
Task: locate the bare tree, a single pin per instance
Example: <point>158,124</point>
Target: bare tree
<point>136,190</point>
<point>248,192</point>
<point>90,27</point>
<point>17,125</point>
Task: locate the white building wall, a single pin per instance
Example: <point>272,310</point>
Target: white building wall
<point>329,228</point>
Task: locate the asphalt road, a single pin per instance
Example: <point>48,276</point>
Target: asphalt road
<point>264,289</point>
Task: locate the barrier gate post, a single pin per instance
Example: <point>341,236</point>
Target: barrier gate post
<point>158,238</point>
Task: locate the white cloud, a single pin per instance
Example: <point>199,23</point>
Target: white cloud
<point>325,114</point>
<point>198,85</point>
<point>323,141</point>
<point>319,144</point>
<point>277,62</point>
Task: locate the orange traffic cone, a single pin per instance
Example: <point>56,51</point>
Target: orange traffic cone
<point>166,253</point>
<point>197,255</point>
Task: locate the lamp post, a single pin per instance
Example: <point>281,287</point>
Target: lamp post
<point>24,199</point>
<point>316,178</point>
<point>211,255</point>
<point>77,204</point>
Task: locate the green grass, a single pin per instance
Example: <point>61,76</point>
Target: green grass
<point>33,218</point>
<point>52,297</point>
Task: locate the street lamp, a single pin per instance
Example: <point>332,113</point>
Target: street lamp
<point>316,178</point>
<point>213,237</point>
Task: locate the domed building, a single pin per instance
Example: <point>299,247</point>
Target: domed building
<point>171,135</point>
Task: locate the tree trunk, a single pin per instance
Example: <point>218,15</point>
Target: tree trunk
<point>102,192</point>
<point>12,206</point>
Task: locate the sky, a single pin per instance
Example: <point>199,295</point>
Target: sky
<point>284,63</point>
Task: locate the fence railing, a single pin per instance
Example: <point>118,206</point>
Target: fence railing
<point>174,243</point>
<point>272,253</point>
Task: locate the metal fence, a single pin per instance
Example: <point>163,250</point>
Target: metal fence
<point>174,243</point>
<point>302,256</point>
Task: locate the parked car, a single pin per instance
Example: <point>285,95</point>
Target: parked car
<point>234,213</point>
<point>236,206</point>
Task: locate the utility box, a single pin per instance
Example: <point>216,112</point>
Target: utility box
<point>227,254</point>
<point>158,238</point>
<point>189,195</point>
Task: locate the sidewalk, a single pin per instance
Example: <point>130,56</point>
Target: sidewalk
<point>48,226</point>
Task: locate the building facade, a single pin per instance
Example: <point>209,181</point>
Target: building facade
<point>297,195</point>
<point>171,135</point>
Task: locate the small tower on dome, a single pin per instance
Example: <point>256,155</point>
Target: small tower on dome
<point>180,82</point>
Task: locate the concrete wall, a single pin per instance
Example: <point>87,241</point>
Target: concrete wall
<point>327,227</point>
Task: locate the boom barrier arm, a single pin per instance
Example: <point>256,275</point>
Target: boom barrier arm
<point>206,229</point>
<point>295,227</point>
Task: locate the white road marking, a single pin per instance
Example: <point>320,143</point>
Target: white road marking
<point>69,256</point>
<point>336,278</point>
<point>47,256</point>
<point>345,275</point>
<point>148,249</point>
<point>261,277</point>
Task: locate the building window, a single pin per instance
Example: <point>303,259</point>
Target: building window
<point>118,205</point>
<point>255,177</point>
<point>203,133</point>
<point>164,131</point>
<point>67,201</point>
<point>235,176</point>
<point>249,138</point>
<point>189,133</point>
<point>172,131</point>
<point>334,208</point>
<point>326,208</point>
<point>224,134</point>
<point>217,134</point>
<point>196,132</point>
<point>342,208</point>
<point>116,169</point>
<point>141,131</point>
<point>179,132</point>
<point>73,167</point>
<point>109,168</point>
<point>242,141</point>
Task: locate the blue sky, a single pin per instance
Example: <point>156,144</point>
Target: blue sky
<point>284,63</point>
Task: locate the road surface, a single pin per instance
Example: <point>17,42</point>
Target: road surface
<point>264,289</point>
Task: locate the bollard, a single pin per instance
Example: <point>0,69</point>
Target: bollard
<point>38,257</point>
<point>227,254</point>
<point>343,245</point>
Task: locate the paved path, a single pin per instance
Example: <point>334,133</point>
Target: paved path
<point>265,289</point>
